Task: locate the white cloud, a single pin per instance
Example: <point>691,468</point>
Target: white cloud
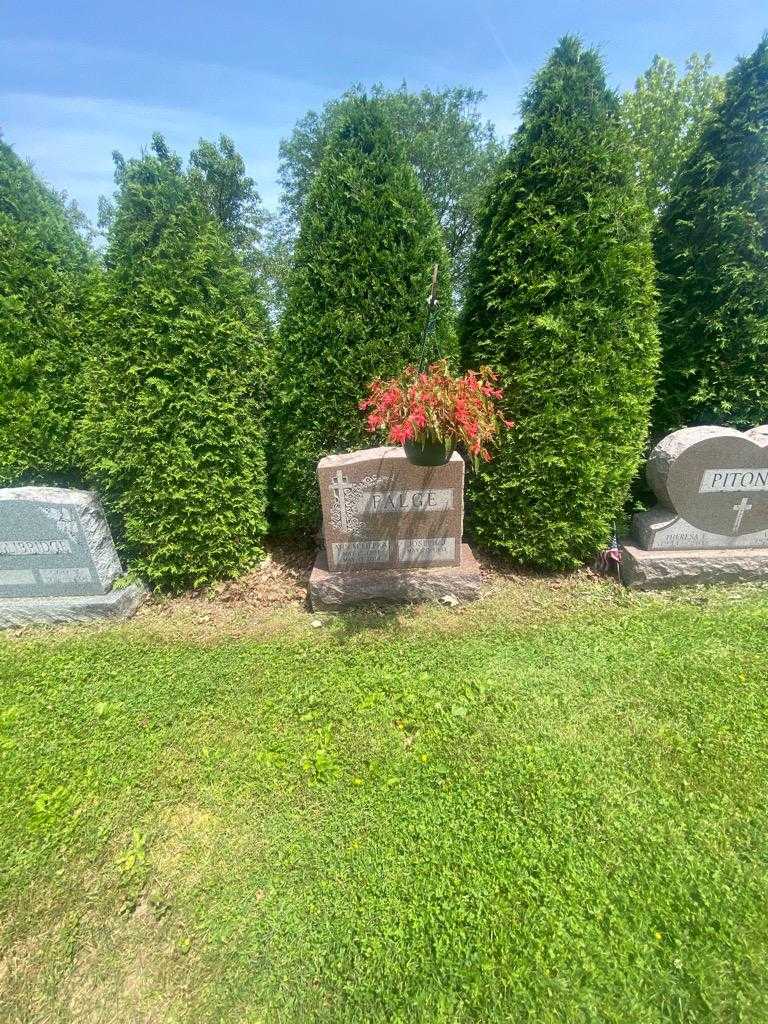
<point>68,124</point>
<point>70,139</point>
<point>67,107</point>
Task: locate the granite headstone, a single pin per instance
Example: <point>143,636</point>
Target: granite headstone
<point>380,510</point>
<point>712,487</point>
<point>389,527</point>
<point>58,561</point>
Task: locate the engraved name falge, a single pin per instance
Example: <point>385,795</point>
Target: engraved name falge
<point>353,500</point>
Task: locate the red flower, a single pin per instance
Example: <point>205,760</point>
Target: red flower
<point>433,405</point>
<point>401,433</point>
<point>419,418</point>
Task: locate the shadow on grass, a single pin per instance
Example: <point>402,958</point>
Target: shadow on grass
<point>388,616</point>
<point>372,617</point>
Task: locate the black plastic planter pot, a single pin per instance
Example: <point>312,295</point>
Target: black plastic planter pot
<point>431,453</point>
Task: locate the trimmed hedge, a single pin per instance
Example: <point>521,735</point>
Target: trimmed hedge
<point>46,275</point>
<point>174,432</point>
<point>356,303</point>
<point>712,255</point>
<point>561,303</point>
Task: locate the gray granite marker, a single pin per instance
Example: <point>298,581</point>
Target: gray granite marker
<point>714,478</point>
<point>381,510</point>
<point>58,562</point>
<point>711,523</point>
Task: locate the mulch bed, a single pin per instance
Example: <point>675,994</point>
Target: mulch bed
<point>282,578</point>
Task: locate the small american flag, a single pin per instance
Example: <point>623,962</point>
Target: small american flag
<point>610,557</point>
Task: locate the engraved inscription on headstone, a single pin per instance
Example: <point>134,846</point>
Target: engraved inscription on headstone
<point>397,502</point>
<point>54,542</point>
<point>361,552</point>
<point>661,529</point>
<point>427,549</point>
<point>712,485</point>
<point>715,480</point>
<point>379,510</point>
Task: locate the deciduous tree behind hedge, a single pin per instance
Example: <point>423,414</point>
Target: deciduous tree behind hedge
<point>665,114</point>
<point>174,434</point>
<point>46,274</point>
<point>356,303</point>
<point>712,253</point>
<point>561,303</point>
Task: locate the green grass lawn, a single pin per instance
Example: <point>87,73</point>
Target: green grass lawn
<point>548,807</point>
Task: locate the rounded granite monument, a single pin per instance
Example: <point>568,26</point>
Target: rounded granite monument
<point>711,523</point>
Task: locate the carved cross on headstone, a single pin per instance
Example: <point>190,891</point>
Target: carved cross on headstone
<point>741,509</point>
<point>340,486</point>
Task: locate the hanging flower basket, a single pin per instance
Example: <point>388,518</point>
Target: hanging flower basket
<point>431,412</point>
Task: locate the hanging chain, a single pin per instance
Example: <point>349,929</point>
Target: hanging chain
<point>425,347</point>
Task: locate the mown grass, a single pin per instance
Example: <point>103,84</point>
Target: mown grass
<point>476,817</point>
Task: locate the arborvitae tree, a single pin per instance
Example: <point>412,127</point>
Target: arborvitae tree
<point>174,434</point>
<point>46,272</point>
<point>451,148</point>
<point>712,257</point>
<point>561,303</point>
<point>356,303</point>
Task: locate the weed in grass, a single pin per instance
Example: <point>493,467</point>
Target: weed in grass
<point>557,817</point>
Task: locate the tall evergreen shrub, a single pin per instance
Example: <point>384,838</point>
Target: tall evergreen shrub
<point>174,432</point>
<point>712,254</point>
<point>46,274</point>
<point>561,303</point>
<point>356,302</point>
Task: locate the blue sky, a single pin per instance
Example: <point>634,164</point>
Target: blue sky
<point>80,79</point>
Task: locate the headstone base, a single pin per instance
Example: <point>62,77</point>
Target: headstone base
<point>661,529</point>
<point>57,611</point>
<point>662,570</point>
<point>330,591</point>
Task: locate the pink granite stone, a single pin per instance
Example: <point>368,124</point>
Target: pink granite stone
<point>380,511</point>
<point>332,590</point>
